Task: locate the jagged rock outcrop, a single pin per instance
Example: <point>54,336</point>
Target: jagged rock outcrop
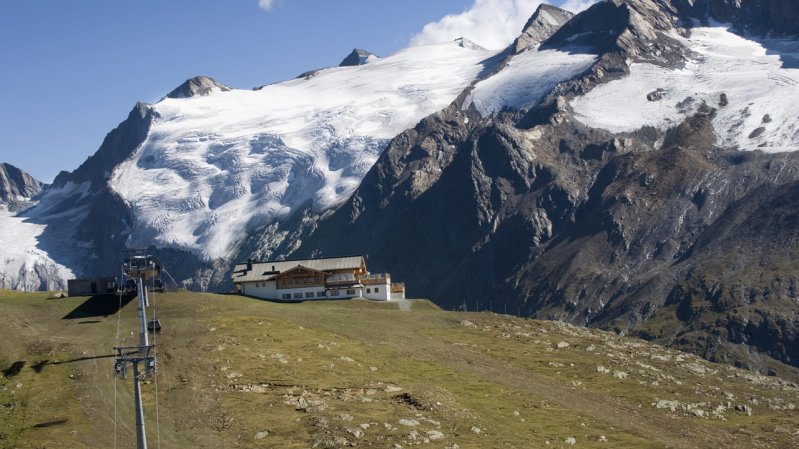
<point>17,187</point>
<point>199,85</point>
<point>546,20</point>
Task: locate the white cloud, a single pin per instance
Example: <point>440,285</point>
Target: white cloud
<point>494,24</point>
<point>491,23</point>
<point>266,5</point>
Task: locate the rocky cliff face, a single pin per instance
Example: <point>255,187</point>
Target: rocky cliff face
<point>656,230</point>
<point>17,188</point>
<point>544,23</point>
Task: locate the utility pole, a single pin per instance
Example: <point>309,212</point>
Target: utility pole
<point>140,267</point>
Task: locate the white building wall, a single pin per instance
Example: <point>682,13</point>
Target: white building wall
<point>265,290</point>
<point>269,290</point>
<point>377,292</point>
<point>342,293</point>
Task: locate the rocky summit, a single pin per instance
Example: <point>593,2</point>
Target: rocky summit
<point>632,167</point>
<point>17,187</point>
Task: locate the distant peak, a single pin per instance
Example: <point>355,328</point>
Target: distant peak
<point>466,43</point>
<point>546,20</point>
<point>16,186</point>
<point>357,57</point>
<point>199,85</point>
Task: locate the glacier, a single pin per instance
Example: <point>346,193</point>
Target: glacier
<point>527,78</point>
<point>216,167</point>
<point>26,267</point>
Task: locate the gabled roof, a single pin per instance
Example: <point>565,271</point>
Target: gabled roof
<point>266,271</point>
<point>299,268</point>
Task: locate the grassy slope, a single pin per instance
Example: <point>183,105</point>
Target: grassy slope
<point>237,372</point>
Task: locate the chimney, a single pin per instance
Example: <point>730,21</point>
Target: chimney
<point>249,264</point>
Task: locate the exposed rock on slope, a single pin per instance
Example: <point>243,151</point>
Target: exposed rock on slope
<point>776,17</point>
<point>197,172</point>
<point>22,265</point>
<point>199,85</point>
<point>357,57</point>
<point>544,23</point>
<point>653,230</point>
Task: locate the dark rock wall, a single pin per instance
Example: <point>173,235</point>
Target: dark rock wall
<point>659,234</point>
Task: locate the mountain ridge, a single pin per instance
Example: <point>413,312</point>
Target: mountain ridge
<point>575,223</point>
<point>581,174</point>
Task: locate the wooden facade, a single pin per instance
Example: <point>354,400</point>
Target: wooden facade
<point>301,277</point>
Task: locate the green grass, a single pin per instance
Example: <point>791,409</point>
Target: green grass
<point>238,372</point>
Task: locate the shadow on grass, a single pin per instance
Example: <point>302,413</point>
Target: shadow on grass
<point>97,306</point>
<point>55,422</point>
<point>14,369</point>
<point>39,366</point>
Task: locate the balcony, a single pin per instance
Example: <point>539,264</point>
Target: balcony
<point>375,279</point>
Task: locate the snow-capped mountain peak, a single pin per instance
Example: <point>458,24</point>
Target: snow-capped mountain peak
<point>215,167</point>
<point>358,57</point>
<point>199,85</point>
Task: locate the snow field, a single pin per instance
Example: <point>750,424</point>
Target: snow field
<point>760,88</point>
<point>215,167</point>
<point>527,78</point>
<point>21,262</point>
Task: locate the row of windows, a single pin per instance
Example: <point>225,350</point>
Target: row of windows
<point>318,294</point>
<point>308,295</point>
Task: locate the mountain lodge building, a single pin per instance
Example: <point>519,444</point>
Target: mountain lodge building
<point>309,279</point>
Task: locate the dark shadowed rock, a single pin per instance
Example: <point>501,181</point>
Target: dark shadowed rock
<point>357,57</point>
<point>655,232</point>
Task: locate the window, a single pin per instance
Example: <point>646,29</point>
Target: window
<point>257,284</point>
<point>377,290</point>
<point>368,290</point>
<point>309,294</point>
<point>286,295</point>
<point>350,292</point>
<point>298,296</point>
<point>333,292</point>
<point>320,294</point>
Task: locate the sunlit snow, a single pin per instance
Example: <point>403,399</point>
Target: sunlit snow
<point>758,79</point>
<point>527,78</point>
<point>215,167</point>
<point>23,266</point>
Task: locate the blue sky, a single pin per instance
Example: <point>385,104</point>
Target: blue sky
<point>72,70</point>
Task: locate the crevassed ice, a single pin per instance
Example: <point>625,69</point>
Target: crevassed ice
<point>216,167</point>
